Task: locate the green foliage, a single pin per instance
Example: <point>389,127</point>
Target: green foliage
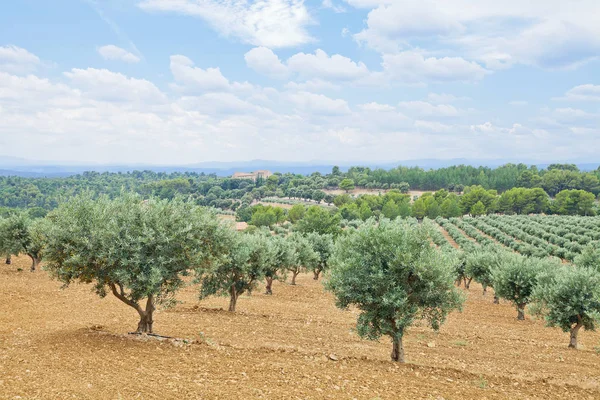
<point>247,259</point>
<point>516,277</point>
<point>303,256</point>
<point>317,219</point>
<point>574,202</point>
<point>135,249</point>
<point>323,246</point>
<point>478,209</point>
<point>571,300</point>
<point>347,185</point>
<point>476,194</point>
<point>481,262</point>
<point>266,215</point>
<point>296,213</point>
<point>391,273</point>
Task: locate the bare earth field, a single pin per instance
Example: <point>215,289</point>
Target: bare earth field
<point>70,344</point>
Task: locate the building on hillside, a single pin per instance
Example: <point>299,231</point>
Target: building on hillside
<point>264,174</point>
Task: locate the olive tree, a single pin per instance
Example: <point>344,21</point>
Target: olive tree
<point>133,248</point>
<point>516,278</point>
<point>21,235</point>
<point>570,301</point>
<point>303,256</point>
<point>240,270</point>
<point>282,259</point>
<point>323,246</point>
<point>394,276</point>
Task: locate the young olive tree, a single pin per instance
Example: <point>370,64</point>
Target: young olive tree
<point>390,271</point>
<point>240,270</point>
<point>481,263</point>
<point>323,246</point>
<point>570,301</point>
<point>516,278</point>
<point>303,256</point>
<point>21,235</point>
<point>283,258</point>
<point>133,248</point>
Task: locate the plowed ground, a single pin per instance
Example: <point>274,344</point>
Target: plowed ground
<point>70,344</point>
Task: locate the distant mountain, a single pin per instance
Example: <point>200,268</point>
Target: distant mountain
<point>13,166</point>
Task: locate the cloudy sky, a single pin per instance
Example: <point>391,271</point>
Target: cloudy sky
<point>184,81</point>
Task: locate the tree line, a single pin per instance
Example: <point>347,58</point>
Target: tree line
<point>43,194</point>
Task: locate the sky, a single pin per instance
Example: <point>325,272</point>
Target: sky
<point>186,81</point>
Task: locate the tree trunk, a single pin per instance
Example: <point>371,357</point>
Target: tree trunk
<point>521,312</point>
<point>34,263</point>
<point>316,274</point>
<point>233,296</point>
<point>269,287</point>
<point>397,349</point>
<point>8,260</point>
<point>574,332</point>
<point>294,275</point>
<point>146,320</point>
<point>484,290</point>
<point>496,300</point>
<point>468,283</point>
<point>146,316</point>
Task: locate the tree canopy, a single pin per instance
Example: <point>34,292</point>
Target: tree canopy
<point>395,277</point>
<point>133,248</point>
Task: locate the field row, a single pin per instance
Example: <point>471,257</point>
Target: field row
<point>540,236</point>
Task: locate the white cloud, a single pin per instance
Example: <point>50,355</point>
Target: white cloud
<point>321,65</point>
<point>106,85</point>
<point>100,115</point>
<point>389,27</point>
<point>17,60</point>
<point>112,52</point>
<point>587,92</point>
<point>433,126</point>
<point>269,23</point>
<point>425,109</point>
<point>313,85</point>
<point>376,107</point>
<point>318,66</point>
<point>319,104</point>
<point>413,67</point>
<point>190,78</point>
<point>266,62</point>
<point>538,32</point>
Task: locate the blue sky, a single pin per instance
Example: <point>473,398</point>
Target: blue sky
<point>184,81</point>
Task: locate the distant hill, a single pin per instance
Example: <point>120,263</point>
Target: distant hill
<point>11,166</point>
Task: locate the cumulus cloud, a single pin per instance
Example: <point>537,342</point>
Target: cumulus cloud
<point>586,92</point>
<point>266,62</point>
<point>425,109</point>
<point>17,60</point>
<point>112,86</point>
<point>112,52</point>
<point>414,67</point>
<point>539,32</point>
<point>102,115</point>
<point>376,107</point>
<point>319,104</point>
<point>269,23</point>
<point>306,66</point>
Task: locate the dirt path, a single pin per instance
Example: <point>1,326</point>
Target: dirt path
<point>448,237</point>
<point>293,345</point>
